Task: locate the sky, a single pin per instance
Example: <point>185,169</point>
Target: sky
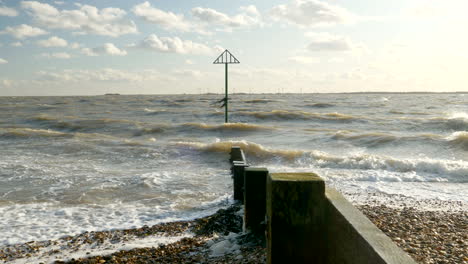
<point>284,46</point>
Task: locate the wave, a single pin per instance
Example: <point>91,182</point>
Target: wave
<point>457,121</point>
<point>154,111</point>
<point>154,129</point>
<point>77,124</point>
<point>319,105</point>
<point>250,149</point>
<point>226,127</point>
<point>453,122</point>
<point>429,170</point>
<point>201,127</point>
<point>300,115</point>
<point>260,101</point>
<point>459,140</point>
<point>16,133</point>
<point>375,139</point>
<point>397,112</point>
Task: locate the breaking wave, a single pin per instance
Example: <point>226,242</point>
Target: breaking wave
<point>459,140</point>
<point>376,139</point>
<point>300,115</point>
<point>430,170</point>
<point>455,121</point>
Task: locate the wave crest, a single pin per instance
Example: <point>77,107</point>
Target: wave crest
<point>429,170</point>
<point>250,149</point>
<point>459,139</point>
<point>300,115</point>
<point>29,132</point>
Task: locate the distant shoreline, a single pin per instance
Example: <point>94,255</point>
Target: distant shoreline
<point>181,94</point>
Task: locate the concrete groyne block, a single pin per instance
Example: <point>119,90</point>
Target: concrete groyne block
<point>296,216</point>
<point>353,238</point>
<point>255,180</point>
<point>238,168</point>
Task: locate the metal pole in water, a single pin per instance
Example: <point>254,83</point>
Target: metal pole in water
<point>226,58</point>
<point>226,96</point>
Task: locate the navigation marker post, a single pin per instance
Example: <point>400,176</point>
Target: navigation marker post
<point>226,58</point>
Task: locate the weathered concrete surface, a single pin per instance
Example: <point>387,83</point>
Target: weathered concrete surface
<point>238,178</point>
<point>255,199</point>
<point>296,208</point>
<point>237,154</point>
<point>352,238</point>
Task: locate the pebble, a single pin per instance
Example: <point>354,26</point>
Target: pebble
<point>436,237</point>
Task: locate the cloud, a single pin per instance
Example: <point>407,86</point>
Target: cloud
<point>188,73</point>
<point>303,59</point>
<point>167,20</point>
<point>16,44</point>
<point>53,42</point>
<point>75,45</point>
<point>58,55</point>
<point>328,42</point>
<point>211,17</point>
<point>205,18</point>
<point>174,45</point>
<point>7,11</point>
<point>106,49</point>
<point>3,61</point>
<point>309,13</point>
<point>24,31</point>
<point>85,20</point>
<point>107,74</point>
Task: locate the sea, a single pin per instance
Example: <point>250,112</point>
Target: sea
<point>89,163</point>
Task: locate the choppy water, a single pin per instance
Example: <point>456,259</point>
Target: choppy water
<point>74,164</point>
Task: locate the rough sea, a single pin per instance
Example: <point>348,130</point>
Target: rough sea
<point>75,164</point>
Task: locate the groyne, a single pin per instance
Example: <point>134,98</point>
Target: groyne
<point>305,221</point>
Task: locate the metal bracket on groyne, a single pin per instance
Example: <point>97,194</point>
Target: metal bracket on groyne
<point>307,222</point>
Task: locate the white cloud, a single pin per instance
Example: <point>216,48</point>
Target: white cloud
<point>23,31</point>
<point>174,45</point>
<point>166,20</point>
<point>106,74</point>
<point>106,49</point>
<point>205,18</point>
<point>53,42</point>
<point>3,61</point>
<point>303,59</point>
<point>57,55</point>
<point>75,45</point>
<point>328,42</point>
<point>16,44</point>
<point>7,11</point>
<point>189,62</point>
<point>188,73</point>
<point>85,20</point>
<point>211,17</point>
<point>7,83</point>
<point>310,13</point>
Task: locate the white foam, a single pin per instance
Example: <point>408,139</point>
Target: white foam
<point>61,251</point>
